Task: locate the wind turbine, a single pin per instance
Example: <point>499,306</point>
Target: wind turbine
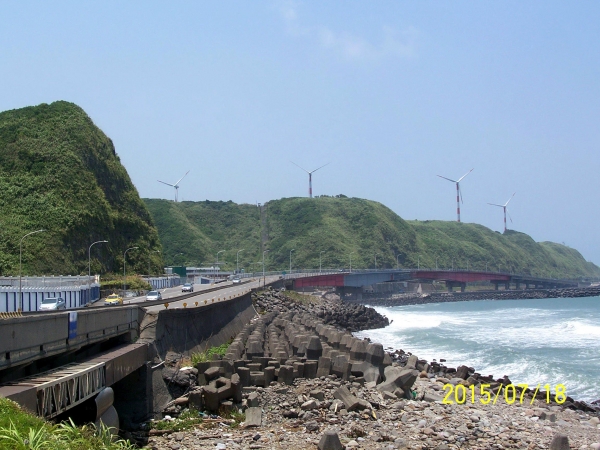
<point>504,208</point>
<point>176,185</point>
<point>309,176</point>
<point>458,192</point>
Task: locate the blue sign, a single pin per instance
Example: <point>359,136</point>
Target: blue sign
<point>72,325</point>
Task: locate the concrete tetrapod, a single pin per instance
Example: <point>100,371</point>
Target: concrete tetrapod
<point>330,441</point>
<point>560,442</point>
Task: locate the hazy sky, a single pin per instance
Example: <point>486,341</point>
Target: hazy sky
<point>392,93</point>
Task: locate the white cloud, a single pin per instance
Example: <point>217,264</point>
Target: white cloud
<point>352,47</point>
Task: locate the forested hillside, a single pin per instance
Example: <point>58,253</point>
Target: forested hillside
<point>59,172</point>
<point>339,229</point>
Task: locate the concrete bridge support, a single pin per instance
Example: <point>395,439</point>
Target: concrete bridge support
<point>349,293</point>
<point>452,284</point>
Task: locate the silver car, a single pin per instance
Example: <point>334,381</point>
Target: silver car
<point>53,304</point>
<point>153,295</point>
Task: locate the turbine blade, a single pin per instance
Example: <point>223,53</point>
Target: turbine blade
<point>320,167</point>
<point>506,204</point>
<point>460,179</point>
<point>454,181</point>
<point>494,204</point>
<point>460,193</point>
<point>300,167</point>
<point>182,178</point>
<point>168,184</point>
<point>511,221</point>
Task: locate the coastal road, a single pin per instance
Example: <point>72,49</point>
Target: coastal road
<point>226,289</point>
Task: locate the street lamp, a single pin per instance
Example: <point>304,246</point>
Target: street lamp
<point>263,262</point>
<point>220,251</point>
<point>397,262</point>
<point>125,265</point>
<point>320,261</point>
<point>150,260</point>
<point>375,261</point>
<point>291,259</point>
<point>90,266</point>
<point>453,264</point>
<point>21,266</point>
<point>418,262</point>
<point>237,261</point>
<point>352,253</point>
<point>436,266</point>
<point>217,263</point>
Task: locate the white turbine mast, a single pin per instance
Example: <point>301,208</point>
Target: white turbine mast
<point>176,185</point>
<point>309,176</point>
<point>505,208</point>
<point>459,199</point>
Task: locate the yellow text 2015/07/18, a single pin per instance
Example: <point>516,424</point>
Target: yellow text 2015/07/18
<point>512,394</point>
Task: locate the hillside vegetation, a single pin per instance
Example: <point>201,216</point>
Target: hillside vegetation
<point>59,172</point>
<point>342,228</point>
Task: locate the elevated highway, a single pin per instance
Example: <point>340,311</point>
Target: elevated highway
<point>52,362</point>
<point>349,281</point>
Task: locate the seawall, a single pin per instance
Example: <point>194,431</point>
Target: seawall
<point>184,331</point>
<point>444,297</point>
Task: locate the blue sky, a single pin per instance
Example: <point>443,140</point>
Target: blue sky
<point>392,93</point>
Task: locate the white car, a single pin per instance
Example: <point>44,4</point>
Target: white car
<point>153,295</point>
<point>236,280</point>
<point>53,304</point>
<point>187,287</point>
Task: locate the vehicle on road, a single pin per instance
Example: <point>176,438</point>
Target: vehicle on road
<point>236,280</point>
<point>113,299</point>
<point>153,295</point>
<point>187,287</point>
<point>53,304</point>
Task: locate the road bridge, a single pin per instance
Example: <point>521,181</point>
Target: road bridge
<point>349,281</point>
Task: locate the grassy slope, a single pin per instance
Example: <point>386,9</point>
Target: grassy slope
<point>343,226</point>
<point>59,172</point>
<point>193,232</point>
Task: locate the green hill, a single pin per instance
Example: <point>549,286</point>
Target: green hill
<point>342,228</point>
<point>59,172</point>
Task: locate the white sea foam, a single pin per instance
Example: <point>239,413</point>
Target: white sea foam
<point>545,342</point>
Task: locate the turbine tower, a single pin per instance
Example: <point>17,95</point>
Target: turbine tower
<point>504,207</point>
<point>176,185</point>
<point>309,176</point>
<point>458,192</point>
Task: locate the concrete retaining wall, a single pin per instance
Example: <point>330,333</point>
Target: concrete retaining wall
<point>188,330</point>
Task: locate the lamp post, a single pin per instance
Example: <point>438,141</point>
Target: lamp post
<point>397,262</point>
<point>237,261</point>
<point>21,266</point>
<point>486,263</point>
<point>263,262</point>
<point>352,253</point>
<point>320,260</point>
<point>217,263</point>
<point>291,259</point>
<point>375,261</point>
<point>125,265</point>
<point>436,266</point>
<point>90,266</point>
<point>149,260</point>
<point>418,262</point>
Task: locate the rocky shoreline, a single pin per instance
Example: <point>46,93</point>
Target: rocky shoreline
<point>444,297</point>
<point>305,384</point>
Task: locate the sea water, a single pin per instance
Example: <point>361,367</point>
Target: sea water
<point>542,341</point>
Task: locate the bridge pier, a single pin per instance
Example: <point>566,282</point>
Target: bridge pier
<point>350,293</point>
<point>452,284</point>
